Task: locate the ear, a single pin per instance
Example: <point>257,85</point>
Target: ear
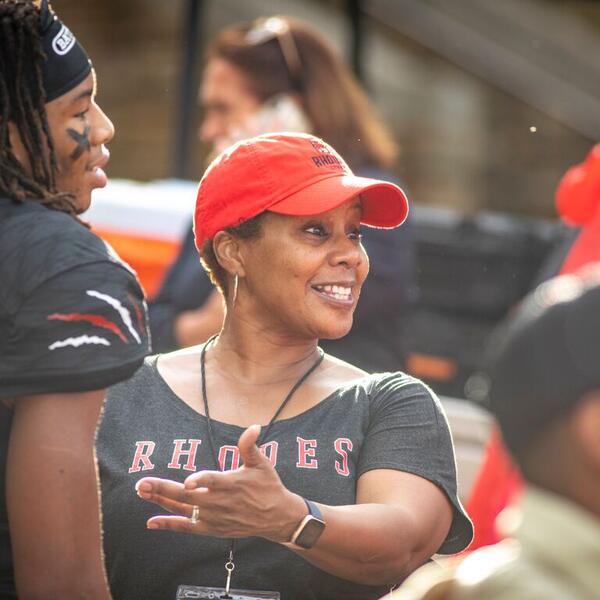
<point>585,425</point>
<point>227,251</point>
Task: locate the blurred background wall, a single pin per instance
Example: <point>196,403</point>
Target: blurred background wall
<point>490,101</point>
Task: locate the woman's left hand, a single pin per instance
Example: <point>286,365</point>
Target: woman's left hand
<point>248,501</point>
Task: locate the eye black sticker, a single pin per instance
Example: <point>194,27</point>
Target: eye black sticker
<point>82,140</point>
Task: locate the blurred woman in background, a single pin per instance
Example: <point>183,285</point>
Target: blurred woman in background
<point>279,74</point>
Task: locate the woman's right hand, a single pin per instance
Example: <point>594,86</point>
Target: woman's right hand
<point>243,502</point>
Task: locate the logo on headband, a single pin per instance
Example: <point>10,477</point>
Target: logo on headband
<point>63,41</point>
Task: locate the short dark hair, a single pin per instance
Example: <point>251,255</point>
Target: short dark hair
<point>545,360</point>
<point>248,230</point>
<point>336,106</point>
<point>22,101</point>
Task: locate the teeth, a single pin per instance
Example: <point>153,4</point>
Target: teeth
<point>337,291</point>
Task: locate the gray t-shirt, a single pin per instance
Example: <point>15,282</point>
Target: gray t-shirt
<point>386,420</point>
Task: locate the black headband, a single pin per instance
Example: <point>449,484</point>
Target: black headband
<point>67,63</point>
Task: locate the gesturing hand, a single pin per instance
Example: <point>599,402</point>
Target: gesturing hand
<point>248,501</point>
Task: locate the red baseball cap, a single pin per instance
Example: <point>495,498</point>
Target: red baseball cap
<point>290,174</point>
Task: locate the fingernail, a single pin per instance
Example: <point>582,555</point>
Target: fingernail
<point>143,486</point>
<point>153,526</point>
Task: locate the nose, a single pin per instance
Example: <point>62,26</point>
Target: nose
<point>103,129</point>
<point>347,253</point>
<point>210,129</point>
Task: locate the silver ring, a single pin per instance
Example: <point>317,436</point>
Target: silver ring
<point>195,514</point>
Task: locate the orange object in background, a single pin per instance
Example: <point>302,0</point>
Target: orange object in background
<point>145,222</point>
<point>150,258</point>
<point>426,366</point>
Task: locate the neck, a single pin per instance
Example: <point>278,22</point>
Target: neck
<point>248,353</point>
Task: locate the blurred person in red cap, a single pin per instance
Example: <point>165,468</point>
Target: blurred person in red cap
<point>280,74</point>
<point>578,204</point>
<point>499,482</point>
<point>297,473</point>
<point>545,394</point>
<point>71,313</point>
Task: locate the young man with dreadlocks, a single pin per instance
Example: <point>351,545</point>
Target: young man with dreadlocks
<point>72,315</point>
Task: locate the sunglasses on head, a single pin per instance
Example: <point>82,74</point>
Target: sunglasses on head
<point>276,28</point>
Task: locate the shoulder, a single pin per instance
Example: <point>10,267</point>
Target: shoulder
<point>38,244</point>
<point>341,370</point>
<point>180,367</point>
<point>400,387</point>
<point>131,388</point>
<point>498,572</point>
<point>502,572</point>
<point>394,386</point>
<point>72,315</point>
<point>31,222</point>
<point>397,400</point>
<point>389,396</point>
<point>481,574</point>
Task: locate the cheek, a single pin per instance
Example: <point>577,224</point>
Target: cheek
<point>79,142</point>
<point>277,274</point>
<point>363,268</point>
<point>66,149</point>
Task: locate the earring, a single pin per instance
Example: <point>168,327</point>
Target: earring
<point>235,289</point>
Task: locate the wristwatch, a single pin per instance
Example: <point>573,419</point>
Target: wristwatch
<point>310,528</point>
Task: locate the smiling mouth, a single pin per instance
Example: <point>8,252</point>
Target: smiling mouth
<point>338,293</point>
<point>101,162</point>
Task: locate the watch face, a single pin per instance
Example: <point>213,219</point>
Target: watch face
<point>310,533</point>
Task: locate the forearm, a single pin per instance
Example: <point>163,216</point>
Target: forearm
<point>193,327</point>
<point>196,326</point>
<point>53,512</point>
<point>371,544</point>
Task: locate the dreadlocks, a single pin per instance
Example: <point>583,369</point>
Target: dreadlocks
<point>22,101</point>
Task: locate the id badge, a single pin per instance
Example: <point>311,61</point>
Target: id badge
<point>198,592</point>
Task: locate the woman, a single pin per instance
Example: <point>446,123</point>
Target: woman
<point>349,482</point>
<point>280,74</point>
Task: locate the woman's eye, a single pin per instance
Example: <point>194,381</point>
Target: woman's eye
<point>316,230</point>
<point>355,234</point>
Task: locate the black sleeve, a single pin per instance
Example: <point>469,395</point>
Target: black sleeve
<point>408,431</point>
<point>186,287</point>
<point>82,329</point>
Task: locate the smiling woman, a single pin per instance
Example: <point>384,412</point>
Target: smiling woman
<point>332,482</point>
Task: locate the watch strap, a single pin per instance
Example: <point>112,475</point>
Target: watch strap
<point>314,516</point>
<point>313,509</point>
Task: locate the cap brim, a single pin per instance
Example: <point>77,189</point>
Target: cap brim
<point>384,204</point>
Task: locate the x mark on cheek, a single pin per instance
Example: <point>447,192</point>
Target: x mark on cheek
<point>82,141</point>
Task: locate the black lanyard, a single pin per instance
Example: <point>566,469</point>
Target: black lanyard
<point>229,565</point>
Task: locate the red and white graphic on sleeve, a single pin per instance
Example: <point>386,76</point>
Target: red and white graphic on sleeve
<point>119,327</point>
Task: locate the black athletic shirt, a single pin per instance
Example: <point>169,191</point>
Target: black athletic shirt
<point>72,318</point>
